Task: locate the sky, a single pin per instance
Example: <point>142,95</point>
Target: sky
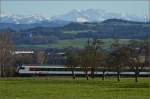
<point>51,8</point>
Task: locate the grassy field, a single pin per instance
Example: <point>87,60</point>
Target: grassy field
<point>79,43</point>
<point>67,88</point>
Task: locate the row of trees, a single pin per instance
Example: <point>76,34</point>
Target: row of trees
<point>133,56</point>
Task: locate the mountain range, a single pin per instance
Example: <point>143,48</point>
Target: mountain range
<point>75,15</point>
<point>76,24</point>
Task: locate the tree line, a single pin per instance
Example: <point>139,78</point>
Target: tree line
<point>134,56</point>
<point>92,58</point>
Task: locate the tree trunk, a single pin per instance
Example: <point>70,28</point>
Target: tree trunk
<point>103,75</point>
<point>118,76</point>
<point>118,73</point>
<point>136,77</point>
<point>92,73</point>
<point>2,70</point>
<point>87,77</point>
<point>73,74</point>
<point>86,74</point>
<point>136,74</point>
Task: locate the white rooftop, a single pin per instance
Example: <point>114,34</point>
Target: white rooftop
<point>23,52</point>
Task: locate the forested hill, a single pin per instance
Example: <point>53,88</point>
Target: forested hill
<point>41,34</point>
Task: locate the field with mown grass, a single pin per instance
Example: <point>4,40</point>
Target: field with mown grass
<point>77,43</point>
<point>68,88</point>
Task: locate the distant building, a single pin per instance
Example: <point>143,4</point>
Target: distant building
<point>24,52</point>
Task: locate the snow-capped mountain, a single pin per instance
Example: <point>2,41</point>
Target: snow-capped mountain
<point>20,19</point>
<point>75,15</point>
<point>94,15</point>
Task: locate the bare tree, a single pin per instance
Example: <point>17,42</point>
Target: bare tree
<point>147,52</point>
<point>115,57</point>
<point>85,62</point>
<point>119,57</point>
<point>96,46</point>
<point>40,57</point>
<point>136,58</point>
<point>5,53</point>
<point>72,61</point>
<point>101,62</point>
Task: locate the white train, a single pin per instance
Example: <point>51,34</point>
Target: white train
<point>62,70</point>
<point>45,70</point>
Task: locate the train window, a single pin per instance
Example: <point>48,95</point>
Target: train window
<point>22,68</point>
<point>54,69</point>
<point>40,69</point>
<point>47,69</point>
<point>32,69</point>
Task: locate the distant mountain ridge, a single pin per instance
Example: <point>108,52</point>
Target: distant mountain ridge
<point>113,21</point>
<point>56,23</point>
<point>75,30</point>
<point>96,15</point>
<point>60,23</point>
<point>21,19</point>
<point>75,15</point>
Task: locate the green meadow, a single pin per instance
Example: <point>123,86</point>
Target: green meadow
<point>77,43</point>
<point>68,88</point>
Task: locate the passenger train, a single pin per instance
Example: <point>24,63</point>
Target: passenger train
<point>46,70</point>
<point>30,70</point>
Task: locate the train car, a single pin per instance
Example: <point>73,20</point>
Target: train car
<point>30,70</point>
<point>46,70</point>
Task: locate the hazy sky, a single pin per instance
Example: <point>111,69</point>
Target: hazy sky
<point>52,7</point>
